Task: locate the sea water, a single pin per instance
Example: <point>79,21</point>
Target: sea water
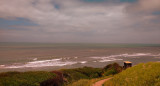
<point>53,56</point>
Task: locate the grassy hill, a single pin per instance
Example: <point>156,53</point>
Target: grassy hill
<point>144,74</point>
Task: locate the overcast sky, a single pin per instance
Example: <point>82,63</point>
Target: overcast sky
<point>80,21</point>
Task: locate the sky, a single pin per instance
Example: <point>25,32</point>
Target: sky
<point>80,21</point>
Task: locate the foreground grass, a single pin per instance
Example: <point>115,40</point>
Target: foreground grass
<point>140,75</point>
<point>87,82</point>
<point>24,78</point>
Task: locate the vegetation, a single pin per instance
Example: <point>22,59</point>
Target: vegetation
<point>140,75</point>
<point>56,81</point>
<point>76,74</point>
<point>87,75</point>
<point>87,82</point>
<point>81,73</point>
<point>24,78</point>
<point>81,82</point>
<point>70,77</point>
<point>112,69</point>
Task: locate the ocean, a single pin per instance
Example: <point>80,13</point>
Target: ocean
<point>54,56</point>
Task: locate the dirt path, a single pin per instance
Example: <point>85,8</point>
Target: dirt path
<point>101,82</point>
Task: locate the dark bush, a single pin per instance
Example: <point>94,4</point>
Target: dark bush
<point>112,69</point>
<point>81,73</point>
<point>71,75</point>
<point>90,72</point>
<point>56,81</point>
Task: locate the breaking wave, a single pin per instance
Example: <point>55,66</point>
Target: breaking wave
<point>74,60</point>
<point>42,63</point>
<point>105,59</point>
<point>83,62</point>
<point>113,57</point>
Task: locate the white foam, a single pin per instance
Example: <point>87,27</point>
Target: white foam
<point>83,62</point>
<point>2,66</point>
<point>137,54</point>
<point>106,59</point>
<point>75,57</point>
<point>127,55</point>
<point>113,57</point>
<point>43,63</point>
<point>94,61</point>
<point>35,59</point>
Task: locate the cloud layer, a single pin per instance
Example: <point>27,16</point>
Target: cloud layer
<point>93,21</point>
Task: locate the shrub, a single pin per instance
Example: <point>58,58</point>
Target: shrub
<point>73,75</point>
<point>110,72</point>
<point>81,73</point>
<point>112,69</point>
<point>90,72</point>
<point>56,81</point>
<point>24,78</point>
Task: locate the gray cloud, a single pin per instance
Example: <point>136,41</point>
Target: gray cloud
<point>144,6</point>
<point>78,21</point>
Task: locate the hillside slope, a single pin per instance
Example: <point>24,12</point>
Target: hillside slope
<point>144,74</point>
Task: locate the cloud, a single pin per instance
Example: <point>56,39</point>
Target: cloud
<point>145,6</point>
<point>81,21</point>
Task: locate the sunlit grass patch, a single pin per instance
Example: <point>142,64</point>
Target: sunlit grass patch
<point>144,74</point>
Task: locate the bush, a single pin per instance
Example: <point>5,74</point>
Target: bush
<point>73,75</point>
<point>56,81</point>
<point>24,78</point>
<point>110,72</point>
<point>81,73</point>
<point>112,69</point>
<point>90,72</point>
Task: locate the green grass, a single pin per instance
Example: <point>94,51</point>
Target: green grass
<point>147,74</point>
<point>73,75</point>
<point>24,78</point>
<point>81,82</point>
<point>87,82</point>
